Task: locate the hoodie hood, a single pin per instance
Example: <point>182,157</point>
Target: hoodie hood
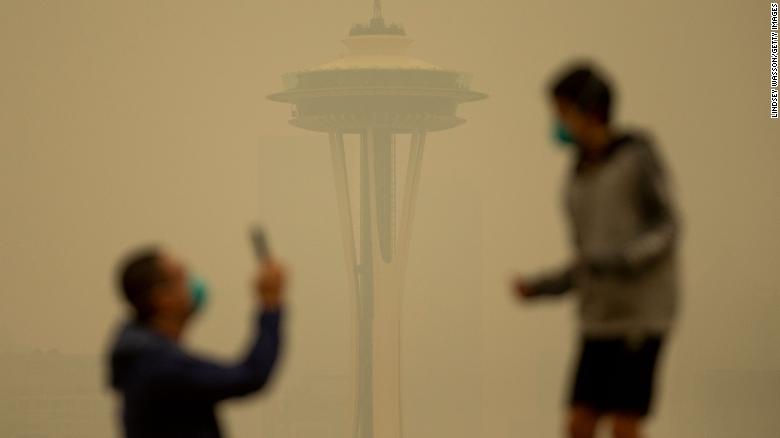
<point>133,340</point>
<point>622,139</point>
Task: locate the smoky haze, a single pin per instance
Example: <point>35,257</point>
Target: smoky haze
<point>123,123</point>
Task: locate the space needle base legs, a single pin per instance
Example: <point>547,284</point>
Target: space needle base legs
<point>376,269</point>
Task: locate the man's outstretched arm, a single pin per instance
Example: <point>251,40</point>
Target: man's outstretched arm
<point>181,376</point>
<point>551,283</point>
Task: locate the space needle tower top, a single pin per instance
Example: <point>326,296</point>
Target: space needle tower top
<point>376,84</point>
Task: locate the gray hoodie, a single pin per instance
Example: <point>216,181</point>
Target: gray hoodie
<point>624,231</point>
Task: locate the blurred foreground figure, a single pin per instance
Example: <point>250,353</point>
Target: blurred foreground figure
<point>623,269</point>
<point>167,392</point>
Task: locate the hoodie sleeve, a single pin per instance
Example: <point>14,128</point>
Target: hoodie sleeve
<point>553,282</point>
<point>660,230</point>
<point>655,203</point>
<point>186,377</point>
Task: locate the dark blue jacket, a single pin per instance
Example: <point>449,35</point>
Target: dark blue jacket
<point>169,393</point>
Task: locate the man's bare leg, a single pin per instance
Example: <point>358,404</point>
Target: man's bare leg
<point>626,426</point>
<point>582,422</point>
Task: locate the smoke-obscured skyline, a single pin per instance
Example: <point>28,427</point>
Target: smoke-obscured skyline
<point>127,123</point>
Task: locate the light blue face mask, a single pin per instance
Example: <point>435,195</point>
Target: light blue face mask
<point>562,135</point>
<point>199,292</point>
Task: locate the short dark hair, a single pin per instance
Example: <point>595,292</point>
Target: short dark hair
<point>138,275</point>
<point>586,89</point>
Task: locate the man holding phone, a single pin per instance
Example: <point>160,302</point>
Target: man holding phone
<point>166,391</point>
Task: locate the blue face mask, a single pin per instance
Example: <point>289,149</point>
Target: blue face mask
<point>562,135</point>
<point>199,292</point>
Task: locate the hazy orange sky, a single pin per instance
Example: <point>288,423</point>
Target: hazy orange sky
<point>128,122</point>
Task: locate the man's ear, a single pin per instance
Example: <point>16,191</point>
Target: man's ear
<point>158,299</point>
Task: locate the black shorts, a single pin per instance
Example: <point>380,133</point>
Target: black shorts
<point>616,375</point>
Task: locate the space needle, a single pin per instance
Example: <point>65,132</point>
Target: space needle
<point>383,96</point>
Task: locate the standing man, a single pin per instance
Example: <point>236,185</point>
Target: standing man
<point>624,264</point>
<point>166,391</point>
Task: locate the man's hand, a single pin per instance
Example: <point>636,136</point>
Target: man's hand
<point>521,289</point>
<point>269,284</point>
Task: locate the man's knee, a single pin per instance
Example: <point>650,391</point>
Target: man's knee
<point>582,422</point>
<point>626,426</point>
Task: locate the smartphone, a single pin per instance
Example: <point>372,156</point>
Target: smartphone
<point>260,243</point>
